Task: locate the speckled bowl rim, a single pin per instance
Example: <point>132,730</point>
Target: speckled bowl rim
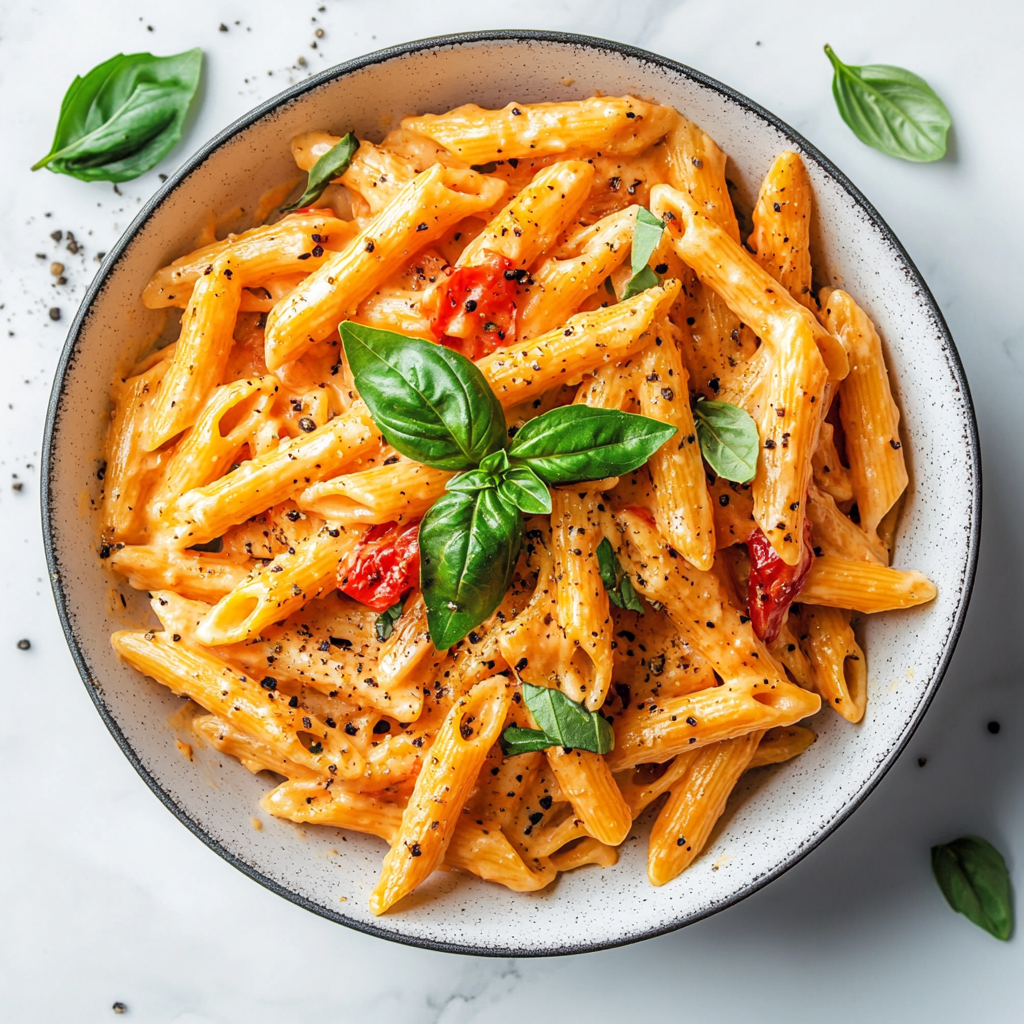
<point>51,527</point>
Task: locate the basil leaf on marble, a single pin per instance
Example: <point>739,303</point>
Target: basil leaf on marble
<point>891,109</point>
<point>972,875</point>
<point>124,116</point>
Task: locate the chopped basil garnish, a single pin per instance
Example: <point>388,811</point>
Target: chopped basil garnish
<point>333,164</point>
<point>563,723</point>
<point>385,624</point>
<point>124,116</point>
<point>891,109</point>
<point>728,440</point>
<point>646,236</point>
<point>972,875</point>
<point>616,582</point>
<point>436,407</point>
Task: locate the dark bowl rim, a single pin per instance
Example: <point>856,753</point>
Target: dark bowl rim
<point>51,527</point>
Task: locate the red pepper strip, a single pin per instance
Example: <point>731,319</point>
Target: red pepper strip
<point>385,565</point>
<point>473,309</point>
<point>773,584</point>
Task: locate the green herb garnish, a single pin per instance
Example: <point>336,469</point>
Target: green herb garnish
<point>384,625</point>
<point>563,723</point>
<point>891,109</point>
<point>333,164</point>
<point>972,875</point>
<point>728,440</point>
<point>646,236</point>
<point>616,582</point>
<point>436,407</point>
<point>124,116</point>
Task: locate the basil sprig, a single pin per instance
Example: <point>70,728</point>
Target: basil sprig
<point>891,109</point>
<point>333,164</point>
<point>972,875</point>
<point>616,582</point>
<point>728,440</point>
<point>563,723</point>
<point>384,625</point>
<point>436,407</point>
<point>124,116</point>
<point>646,236</point>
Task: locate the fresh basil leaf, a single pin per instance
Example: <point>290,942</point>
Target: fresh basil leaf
<point>124,116</point>
<point>521,487</point>
<point>567,723</point>
<point>384,626</point>
<point>645,278</point>
<point>333,164</point>
<point>524,741</point>
<point>432,404</point>
<point>728,440</point>
<point>469,544</point>
<point>972,875</point>
<point>579,442</point>
<point>616,582</point>
<point>470,481</point>
<point>646,236</point>
<point>496,463</point>
<point>891,109</point>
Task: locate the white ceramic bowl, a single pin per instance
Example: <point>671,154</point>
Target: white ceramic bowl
<point>778,814</point>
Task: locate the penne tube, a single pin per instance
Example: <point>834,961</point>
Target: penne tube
<point>131,473</point>
<point>830,475</point>
<point>262,253</point>
<point>749,290</point>
<point>254,754</point>
<point>201,354</point>
<point>585,851</point>
<point>791,416</point>
<point>272,592</point>
<point>437,198</point>
<point>778,745</point>
<point>782,226</point>
<point>408,647</point>
<point>401,492</point>
<point>698,606</point>
<point>481,848</point>
<point>253,708</point>
<point>684,824</point>
<point>585,343</point>
<point>840,670</point>
<point>561,284</point>
<point>838,534</point>
<point>207,512</point>
<point>581,601</point>
<point>193,574</point>
<point>614,125</point>
<point>734,512</point>
<point>864,586</point>
<point>398,310</point>
<point>788,652</point>
<point>207,451</point>
<point>871,420</point>
<point>587,783</point>
<point>696,166</point>
<point>683,507</point>
<point>641,786</point>
<point>609,386</point>
<point>534,218</point>
<point>435,807</point>
<point>720,713</point>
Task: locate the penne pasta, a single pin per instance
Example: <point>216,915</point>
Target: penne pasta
<point>864,586</point>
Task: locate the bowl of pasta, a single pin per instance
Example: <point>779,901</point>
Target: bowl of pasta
<point>541,532</point>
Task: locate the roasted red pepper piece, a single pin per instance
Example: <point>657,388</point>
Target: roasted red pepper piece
<point>385,565</point>
<point>473,309</point>
<point>773,584</point>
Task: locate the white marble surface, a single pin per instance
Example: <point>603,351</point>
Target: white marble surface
<point>106,897</point>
